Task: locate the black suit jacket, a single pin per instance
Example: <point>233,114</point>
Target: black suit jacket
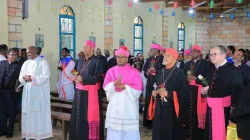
<point>12,76</point>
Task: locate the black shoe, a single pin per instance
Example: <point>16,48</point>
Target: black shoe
<point>3,134</point>
<point>9,136</point>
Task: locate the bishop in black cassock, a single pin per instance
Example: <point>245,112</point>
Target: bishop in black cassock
<point>9,74</point>
<point>192,69</point>
<point>87,117</point>
<point>152,65</point>
<point>171,100</point>
<point>225,85</point>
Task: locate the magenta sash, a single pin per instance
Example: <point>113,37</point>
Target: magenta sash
<point>218,116</point>
<point>93,109</point>
<point>201,106</point>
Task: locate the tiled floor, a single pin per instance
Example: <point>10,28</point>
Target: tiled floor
<point>145,133</point>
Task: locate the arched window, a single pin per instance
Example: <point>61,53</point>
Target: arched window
<point>67,30</point>
<point>138,35</point>
<point>181,37</point>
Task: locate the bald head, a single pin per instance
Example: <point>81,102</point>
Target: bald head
<point>31,52</point>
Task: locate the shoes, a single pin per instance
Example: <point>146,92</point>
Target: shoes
<point>9,136</point>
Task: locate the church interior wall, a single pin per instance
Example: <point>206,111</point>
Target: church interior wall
<point>3,22</point>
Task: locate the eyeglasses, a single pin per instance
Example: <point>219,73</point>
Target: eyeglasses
<point>213,54</point>
<point>121,57</point>
<point>11,54</point>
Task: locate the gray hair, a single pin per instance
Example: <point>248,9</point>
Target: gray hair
<point>222,49</point>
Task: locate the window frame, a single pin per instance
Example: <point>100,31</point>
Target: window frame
<point>179,40</point>
<point>62,33</point>
<point>138,24</point>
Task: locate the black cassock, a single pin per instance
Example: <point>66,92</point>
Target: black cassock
<point>9,74</point>
<point>223,81</point>
<point>166,125</point>
<point>241,113</point>
<point>149,87</point>
<point>199,68</point>
<point>91,74</point>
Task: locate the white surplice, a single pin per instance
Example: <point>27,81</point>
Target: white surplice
<point>65,86</point>
<point>122,117</point>
<point>36,112</point>
<point>144,81</point>
<point>2,57</point>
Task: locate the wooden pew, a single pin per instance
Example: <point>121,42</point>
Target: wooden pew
<point>65,118</point>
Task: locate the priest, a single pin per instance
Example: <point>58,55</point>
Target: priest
<point>65,86</point>
<point>152,65</point>
<point>225,84</point>
<point>9,74</point>
<point>36,111</point>
<point>192,69</point>
<point>171,100</point>
<point>87,118</point>
<point>123,86</point>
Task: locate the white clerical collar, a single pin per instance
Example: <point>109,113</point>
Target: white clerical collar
<point>222,64</point>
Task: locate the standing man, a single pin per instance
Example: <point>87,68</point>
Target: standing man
<point>87,118</point>
<point>107,54</point>
<point>171,100</point>
<point>65,86</point>
<point>102,59</point>
<point>192,69</point>
<point>123,86</point>
<point>225,84</point>
<point>151,67</point>
<point>39,51</point>
<point>36,114</point>
<point>23,56</point>
<point>230,53</point>
<point>3,51</point>
<point>112,62</point>
<point>244,69</point>
<point>9,74</point>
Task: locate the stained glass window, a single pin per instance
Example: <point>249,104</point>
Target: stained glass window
<point>181,37</point>
<point>66,10</point>
<point>138,35</point>
<point>67,29</point>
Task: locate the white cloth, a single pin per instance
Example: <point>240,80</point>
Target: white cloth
<point>36,113</point>
<point>65,86</point>
<point>144,81</point>
<point>2,57</point>
<point>122,135</point>
<point>109,58</point>
<point>123,108</point>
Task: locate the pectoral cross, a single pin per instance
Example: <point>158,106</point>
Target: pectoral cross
<point>155,87</point>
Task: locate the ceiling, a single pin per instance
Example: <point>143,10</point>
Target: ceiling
<point>220,5</point>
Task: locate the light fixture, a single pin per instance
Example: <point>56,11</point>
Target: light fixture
<point>135,1</point>
<point>239,1</point>
<point>211,4</point>
<point>199,4</point>
<point>227,11</point>
<point>191,11</point>
<point>221,15</point>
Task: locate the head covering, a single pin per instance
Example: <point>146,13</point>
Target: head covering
<point>173,52</point>
<point>90,43</point>
<point>197,47</point>
<point>156,46</point>
<point>187,52</point>
<point>122,50</point>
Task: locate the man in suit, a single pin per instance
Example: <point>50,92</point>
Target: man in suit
<point>9,74</point>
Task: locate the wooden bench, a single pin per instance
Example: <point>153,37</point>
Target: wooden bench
<point>65,118</point>
<point>58,100</point>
